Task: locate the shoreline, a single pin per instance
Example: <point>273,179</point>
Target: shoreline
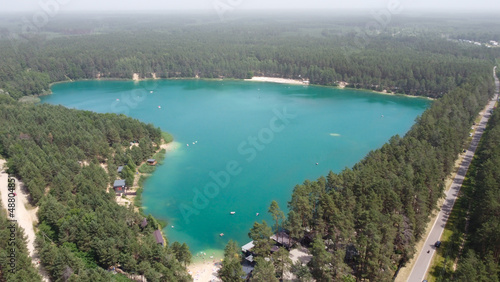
<point>206,263</point>
<point>342,84</point>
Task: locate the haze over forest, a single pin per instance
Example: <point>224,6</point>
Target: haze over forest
<point>208,5</point>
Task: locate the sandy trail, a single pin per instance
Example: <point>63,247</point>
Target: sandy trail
<point>24,213</point>
<point>26,217</point>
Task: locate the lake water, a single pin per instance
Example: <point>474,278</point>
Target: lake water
<point>249,143</point>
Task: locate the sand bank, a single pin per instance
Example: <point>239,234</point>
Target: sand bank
<point>171,146</point>
<point>135,77</point>
<point>205,265</point>
<point>275,80</point>
<point>204,271</point>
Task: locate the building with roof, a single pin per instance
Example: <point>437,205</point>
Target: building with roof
<point>247,247</point>
<point>158,237</point>
<point>151,162</point>
<point>283,239</point>
<point>119,186</point>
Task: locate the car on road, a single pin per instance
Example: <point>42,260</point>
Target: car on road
<point>437,244</point>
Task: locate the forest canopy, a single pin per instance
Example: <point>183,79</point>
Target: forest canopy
<point>401,58</point>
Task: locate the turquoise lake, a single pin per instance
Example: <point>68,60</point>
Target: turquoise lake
<point>249,143</point>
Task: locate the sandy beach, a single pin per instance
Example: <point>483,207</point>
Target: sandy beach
<point>135,77</point>
<point>205,271</point>
<point>171,146</point>
<point>275,80</point>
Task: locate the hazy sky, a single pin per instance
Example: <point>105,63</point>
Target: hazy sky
<point>166,5</point>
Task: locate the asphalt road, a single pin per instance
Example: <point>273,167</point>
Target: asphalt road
<point>424,259</point>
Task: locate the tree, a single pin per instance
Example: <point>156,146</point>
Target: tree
<point>184,255</point>
<point>128,175</point>
<point>301,271</point>
<point>282,262</point>
<point>181,252</point>
<point>264,271</point>
<point>320,262</point>
<point>294,226</point>
<point>472,268</point>
<point>260,234</point>
<point>231,270</point>
<point>277,215</point>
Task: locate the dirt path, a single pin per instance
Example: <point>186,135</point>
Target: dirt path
<point>25,215</point>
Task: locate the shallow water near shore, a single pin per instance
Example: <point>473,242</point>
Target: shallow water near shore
<point>242,144</point>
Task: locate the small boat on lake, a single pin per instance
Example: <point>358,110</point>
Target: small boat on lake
<point>222,234</point>
<point>232,212</point>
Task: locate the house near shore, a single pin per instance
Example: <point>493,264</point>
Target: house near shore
<point>119,186</point>
<point>158,237</point>
<point>247,247</point>
<point>283,239</point>
<point>151,162</point>
<point>248,263</point>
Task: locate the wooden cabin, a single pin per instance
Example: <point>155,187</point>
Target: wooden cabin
<point>119,186</point>
<point>283,239</point>
<point>158,237</point>
<point>151,162</point>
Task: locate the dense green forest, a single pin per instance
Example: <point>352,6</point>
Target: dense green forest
<point>401,58</point>
<point>481,259</point>
<point>83,232</point>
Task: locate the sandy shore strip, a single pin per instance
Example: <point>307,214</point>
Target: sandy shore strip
<point>171,146</point>
<point>204,271</point>
<point>205,266</point>
<point>275,80</point>
<point>135,77</point>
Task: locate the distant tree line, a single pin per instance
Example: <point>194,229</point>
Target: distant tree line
<point>425,65</point>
